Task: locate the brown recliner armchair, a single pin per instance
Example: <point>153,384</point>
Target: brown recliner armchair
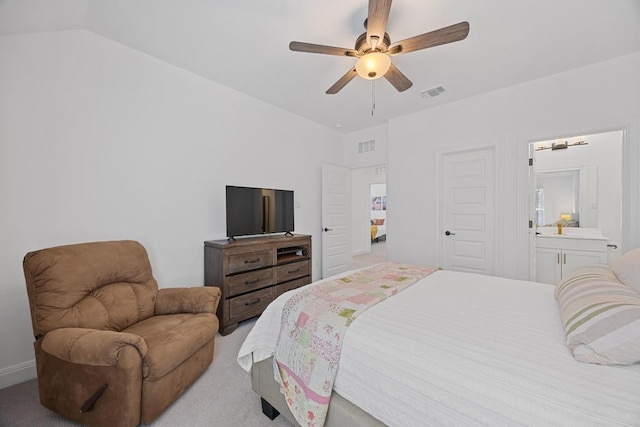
<point>111,348</point>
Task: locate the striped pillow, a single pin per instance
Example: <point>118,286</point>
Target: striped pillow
<point>601,317</point>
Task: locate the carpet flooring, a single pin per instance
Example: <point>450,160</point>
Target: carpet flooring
<point>378,254</point>
<point>222,396</point>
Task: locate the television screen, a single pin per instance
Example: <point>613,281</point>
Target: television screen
<point>258,211</point>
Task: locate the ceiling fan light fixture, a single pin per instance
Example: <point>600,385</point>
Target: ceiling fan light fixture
<point>373,48</point>
<point>373,65</point>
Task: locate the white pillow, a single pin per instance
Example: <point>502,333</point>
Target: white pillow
<point>627,269</point>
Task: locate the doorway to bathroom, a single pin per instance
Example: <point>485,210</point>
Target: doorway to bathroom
<point>576,202</point>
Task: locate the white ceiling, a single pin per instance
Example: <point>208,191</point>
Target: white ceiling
<point>243,44</point>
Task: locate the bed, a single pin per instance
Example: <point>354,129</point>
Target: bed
<point>378,232</point>
<point>378,229</point>
<point>459,349</point>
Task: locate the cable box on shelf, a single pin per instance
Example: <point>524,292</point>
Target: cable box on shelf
<point>291,254</point>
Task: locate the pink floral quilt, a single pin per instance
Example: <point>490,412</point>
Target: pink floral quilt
<point>314,322</point>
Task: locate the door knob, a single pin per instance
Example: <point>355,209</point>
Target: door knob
<point>327,229</point>
<point>448,233</point>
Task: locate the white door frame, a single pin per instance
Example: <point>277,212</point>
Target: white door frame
<point>585,207</point>
<point>630,128</point>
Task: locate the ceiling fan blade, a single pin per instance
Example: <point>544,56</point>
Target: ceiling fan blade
<point>397,79</point>
<point>452,33</point>
<point>318,48</point>
<point>342,82</point>
<point>377,19</point>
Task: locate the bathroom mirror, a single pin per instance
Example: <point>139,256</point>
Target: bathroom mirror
<point>569,196</point>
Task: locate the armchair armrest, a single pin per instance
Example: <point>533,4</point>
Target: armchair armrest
<point>90,346</point>
<point>187,300</point>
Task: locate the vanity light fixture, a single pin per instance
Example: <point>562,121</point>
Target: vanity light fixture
<point>560,145</point>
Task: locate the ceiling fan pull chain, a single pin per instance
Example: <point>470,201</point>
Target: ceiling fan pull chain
<point>373,96</point>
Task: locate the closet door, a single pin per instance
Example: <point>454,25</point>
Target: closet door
<point>468,204</point>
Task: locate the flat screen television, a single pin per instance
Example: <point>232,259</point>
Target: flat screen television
<point>258,211</point>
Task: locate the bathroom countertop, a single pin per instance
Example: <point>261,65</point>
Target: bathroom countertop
<point>572,236</point>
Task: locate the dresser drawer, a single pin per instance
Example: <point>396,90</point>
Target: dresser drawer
<point>250,305</point>
<point>284,287</point>
<point>249,261</point>
<point>250,281</point>
<point>287,272</point>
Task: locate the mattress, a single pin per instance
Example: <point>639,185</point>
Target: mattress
<point>464,349</point>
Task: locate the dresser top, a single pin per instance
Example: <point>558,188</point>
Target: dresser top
<point>254,240</point>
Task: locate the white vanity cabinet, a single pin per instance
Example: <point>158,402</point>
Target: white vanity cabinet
<point>559,255</point>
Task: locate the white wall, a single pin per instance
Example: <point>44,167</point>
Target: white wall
<point>99,141</point>
<point>559,105</point>
<point>20,16</point>
<point>357,159</point>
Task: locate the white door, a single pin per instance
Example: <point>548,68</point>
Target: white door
<point>336,220</point>
<point>467,200</point>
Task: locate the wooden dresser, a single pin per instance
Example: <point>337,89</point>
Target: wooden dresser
<point>253,271</point>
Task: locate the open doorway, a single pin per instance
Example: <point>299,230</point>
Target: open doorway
<point>576,189</point>
<point>378,196</point>
<point>369,213</point>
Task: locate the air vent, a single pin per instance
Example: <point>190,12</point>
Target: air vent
<point>367,146</point>
<point>430,93</point>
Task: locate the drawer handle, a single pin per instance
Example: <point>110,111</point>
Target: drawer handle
<point>293,271</point>
<point>251,261</point>
<point>251,282</point>
<point>255,301</point>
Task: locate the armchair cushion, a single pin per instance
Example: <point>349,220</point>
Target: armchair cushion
<point>90,346</point>
<point>105,285</point>
<point>171,339</point>
<point>187,300</point>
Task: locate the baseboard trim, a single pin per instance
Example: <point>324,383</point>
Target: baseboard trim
<point>15,374</point>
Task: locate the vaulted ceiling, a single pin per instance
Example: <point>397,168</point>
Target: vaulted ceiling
<point>243,44</point>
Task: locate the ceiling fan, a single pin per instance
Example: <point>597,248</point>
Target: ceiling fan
<point>374,48</point>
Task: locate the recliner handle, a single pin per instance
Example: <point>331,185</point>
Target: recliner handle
<point>90,403</point>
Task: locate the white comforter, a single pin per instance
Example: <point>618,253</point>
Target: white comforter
<point>460,349</point>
